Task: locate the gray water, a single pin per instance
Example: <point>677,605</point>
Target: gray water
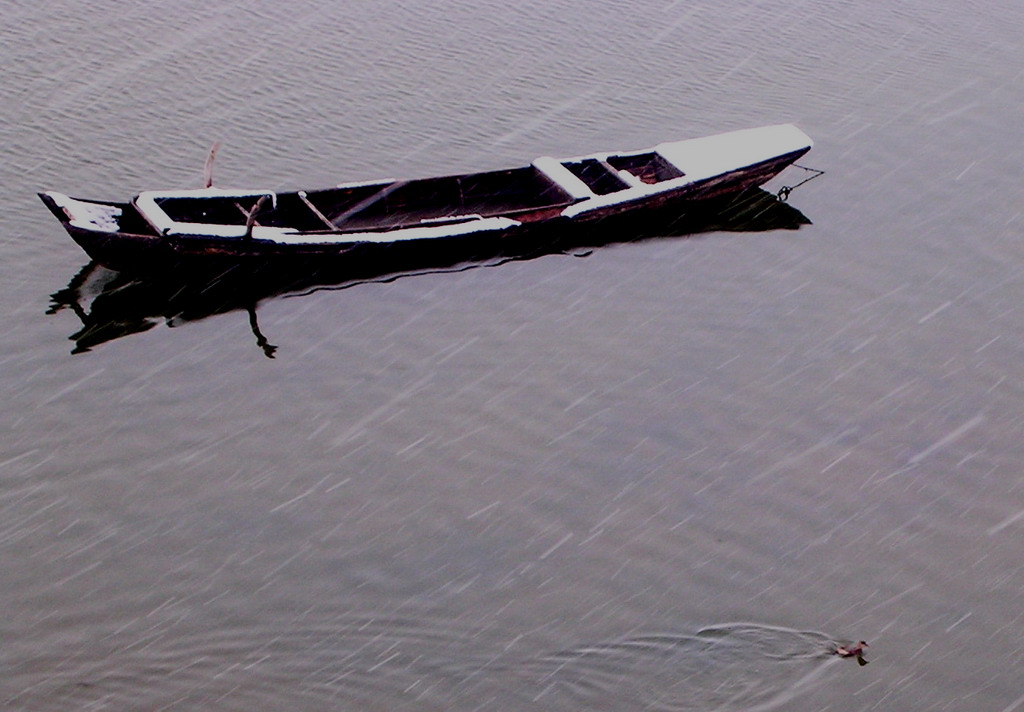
<point>668,476</point>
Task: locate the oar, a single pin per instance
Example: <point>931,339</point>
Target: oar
<point>208,167</point>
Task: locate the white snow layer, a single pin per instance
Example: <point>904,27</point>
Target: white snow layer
<point>88,216</point>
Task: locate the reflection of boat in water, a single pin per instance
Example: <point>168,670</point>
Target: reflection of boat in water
<point>112,304</point>
<point>387,221</point>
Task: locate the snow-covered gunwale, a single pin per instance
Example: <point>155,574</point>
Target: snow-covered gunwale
<point>165,229</point>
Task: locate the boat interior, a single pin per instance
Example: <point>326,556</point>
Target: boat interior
<point>381,206</point>
<point>608,175</point>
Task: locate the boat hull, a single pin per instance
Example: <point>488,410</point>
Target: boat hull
<point>118,237</point>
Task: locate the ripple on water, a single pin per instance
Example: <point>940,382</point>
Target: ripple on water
<point>355,663</point>
<point>737,666</point>
<point>417,663</point>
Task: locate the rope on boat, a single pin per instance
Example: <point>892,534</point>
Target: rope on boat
<point>784,191</point>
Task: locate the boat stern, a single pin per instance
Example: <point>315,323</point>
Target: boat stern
<point>110,233</point>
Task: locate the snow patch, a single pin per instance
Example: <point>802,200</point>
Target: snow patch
<point>701,158</point>
<point>88,216</point>
<point>424,232</point>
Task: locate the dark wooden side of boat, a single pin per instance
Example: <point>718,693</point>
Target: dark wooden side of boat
<point>146,252</point>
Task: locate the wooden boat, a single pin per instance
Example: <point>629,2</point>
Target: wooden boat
<point>159,230</point>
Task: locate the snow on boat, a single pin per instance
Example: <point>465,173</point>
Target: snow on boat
<point>160,230</point>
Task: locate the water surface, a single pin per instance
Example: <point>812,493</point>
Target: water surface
<point>669,475</point>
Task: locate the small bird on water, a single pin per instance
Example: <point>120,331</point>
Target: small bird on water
<point>853,651</point>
